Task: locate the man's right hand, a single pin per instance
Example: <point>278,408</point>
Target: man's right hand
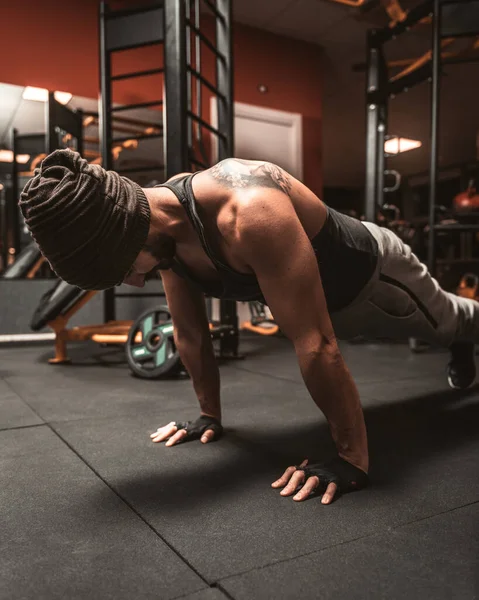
<point>205,428</point>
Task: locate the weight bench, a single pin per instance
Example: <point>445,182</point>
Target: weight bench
<point>59,305</point>
<point>26,264</point>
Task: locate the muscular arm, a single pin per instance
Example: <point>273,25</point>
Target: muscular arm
<point>273,242</point>
<point>193,340</point>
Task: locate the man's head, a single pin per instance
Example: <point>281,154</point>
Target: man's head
<point>90,224</point>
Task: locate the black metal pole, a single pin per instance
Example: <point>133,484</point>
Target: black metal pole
<point>105,131</point>
<point>224,79</point>
<point>376,126</point>
<point>189,63</point>
<point>435,91</point>
<point>14,212</point>
<point>175,114</point>
<point>3,228</point>
<point>382,125</point>
<point>224,74</point>
<point>199,89</point>
<point>372,122</point>
<point>80,144</point>
<point>105,101</point>
<point>51,143</point>
<point>381,138</point>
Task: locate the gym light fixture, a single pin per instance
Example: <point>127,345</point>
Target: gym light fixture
<point>41,95</point>
<point>63,97</point>
<point>7,156</point>
<point>396,145</point>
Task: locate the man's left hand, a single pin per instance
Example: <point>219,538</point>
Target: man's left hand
<point>325,478</point>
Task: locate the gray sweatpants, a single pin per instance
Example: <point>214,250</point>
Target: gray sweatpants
<point>403,301</point>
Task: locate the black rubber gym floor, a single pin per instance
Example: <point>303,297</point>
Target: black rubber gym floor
<point>90,508</point>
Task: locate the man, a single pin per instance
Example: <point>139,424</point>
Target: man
<point>247,230</point>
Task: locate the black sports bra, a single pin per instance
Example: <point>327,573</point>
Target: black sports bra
<point>345,250</point>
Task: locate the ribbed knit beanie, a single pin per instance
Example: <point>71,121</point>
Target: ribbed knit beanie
<point>90,224</point>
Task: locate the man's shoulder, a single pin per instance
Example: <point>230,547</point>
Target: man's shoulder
<point>253,216</point>
<point>240,174</point>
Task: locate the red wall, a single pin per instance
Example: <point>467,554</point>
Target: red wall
<point>54,44</point>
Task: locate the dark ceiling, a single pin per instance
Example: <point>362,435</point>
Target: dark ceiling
<point>341,31</point>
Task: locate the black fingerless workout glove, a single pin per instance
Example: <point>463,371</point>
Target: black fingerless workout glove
<point>346,476</point>
<point>195,429</point>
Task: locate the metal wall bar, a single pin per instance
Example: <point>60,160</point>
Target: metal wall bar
<point>105,131</point>
<point>381,128</point>
<point>435,92</point>
<point>146,73</point>
<point>408,81</point>
<point>224,77</point>
<point>122,30</point>
<point>413,17</point>
<point>80,145</point>
<point>377,106</point>
<point>381,138</point>
<point>189,95</point>
<point>213,9</point>
<point>205,82</point>
<point>145,136</point>
<point>135,106</point>
<point>217,132</point>
<point>199,103</point>
<point>128,12</point>
<point>3,228</point>
<point>219,54</point>
<point>13,215</point>
<point>105,102</point>
<point>50,143</point>
<point>178,112</point>
<point>372,127</point>
<point>175,108</point>
<point>136,122</point>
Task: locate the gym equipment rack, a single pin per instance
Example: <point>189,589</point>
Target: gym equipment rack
<point>174,25</point>
<point>450,19</point>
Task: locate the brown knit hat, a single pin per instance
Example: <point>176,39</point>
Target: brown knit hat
<point>90,224</point>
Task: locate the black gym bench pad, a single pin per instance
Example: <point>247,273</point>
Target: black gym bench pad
<point>95,510</point>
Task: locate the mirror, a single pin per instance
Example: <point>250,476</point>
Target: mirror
<point>32,121</point>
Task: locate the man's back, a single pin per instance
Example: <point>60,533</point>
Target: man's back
<point>220,191</point>
<point>226,202</point>
<point>236,180</point>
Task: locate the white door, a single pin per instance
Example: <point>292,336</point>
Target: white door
<point>272,135</point>
<point>264,134</point>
